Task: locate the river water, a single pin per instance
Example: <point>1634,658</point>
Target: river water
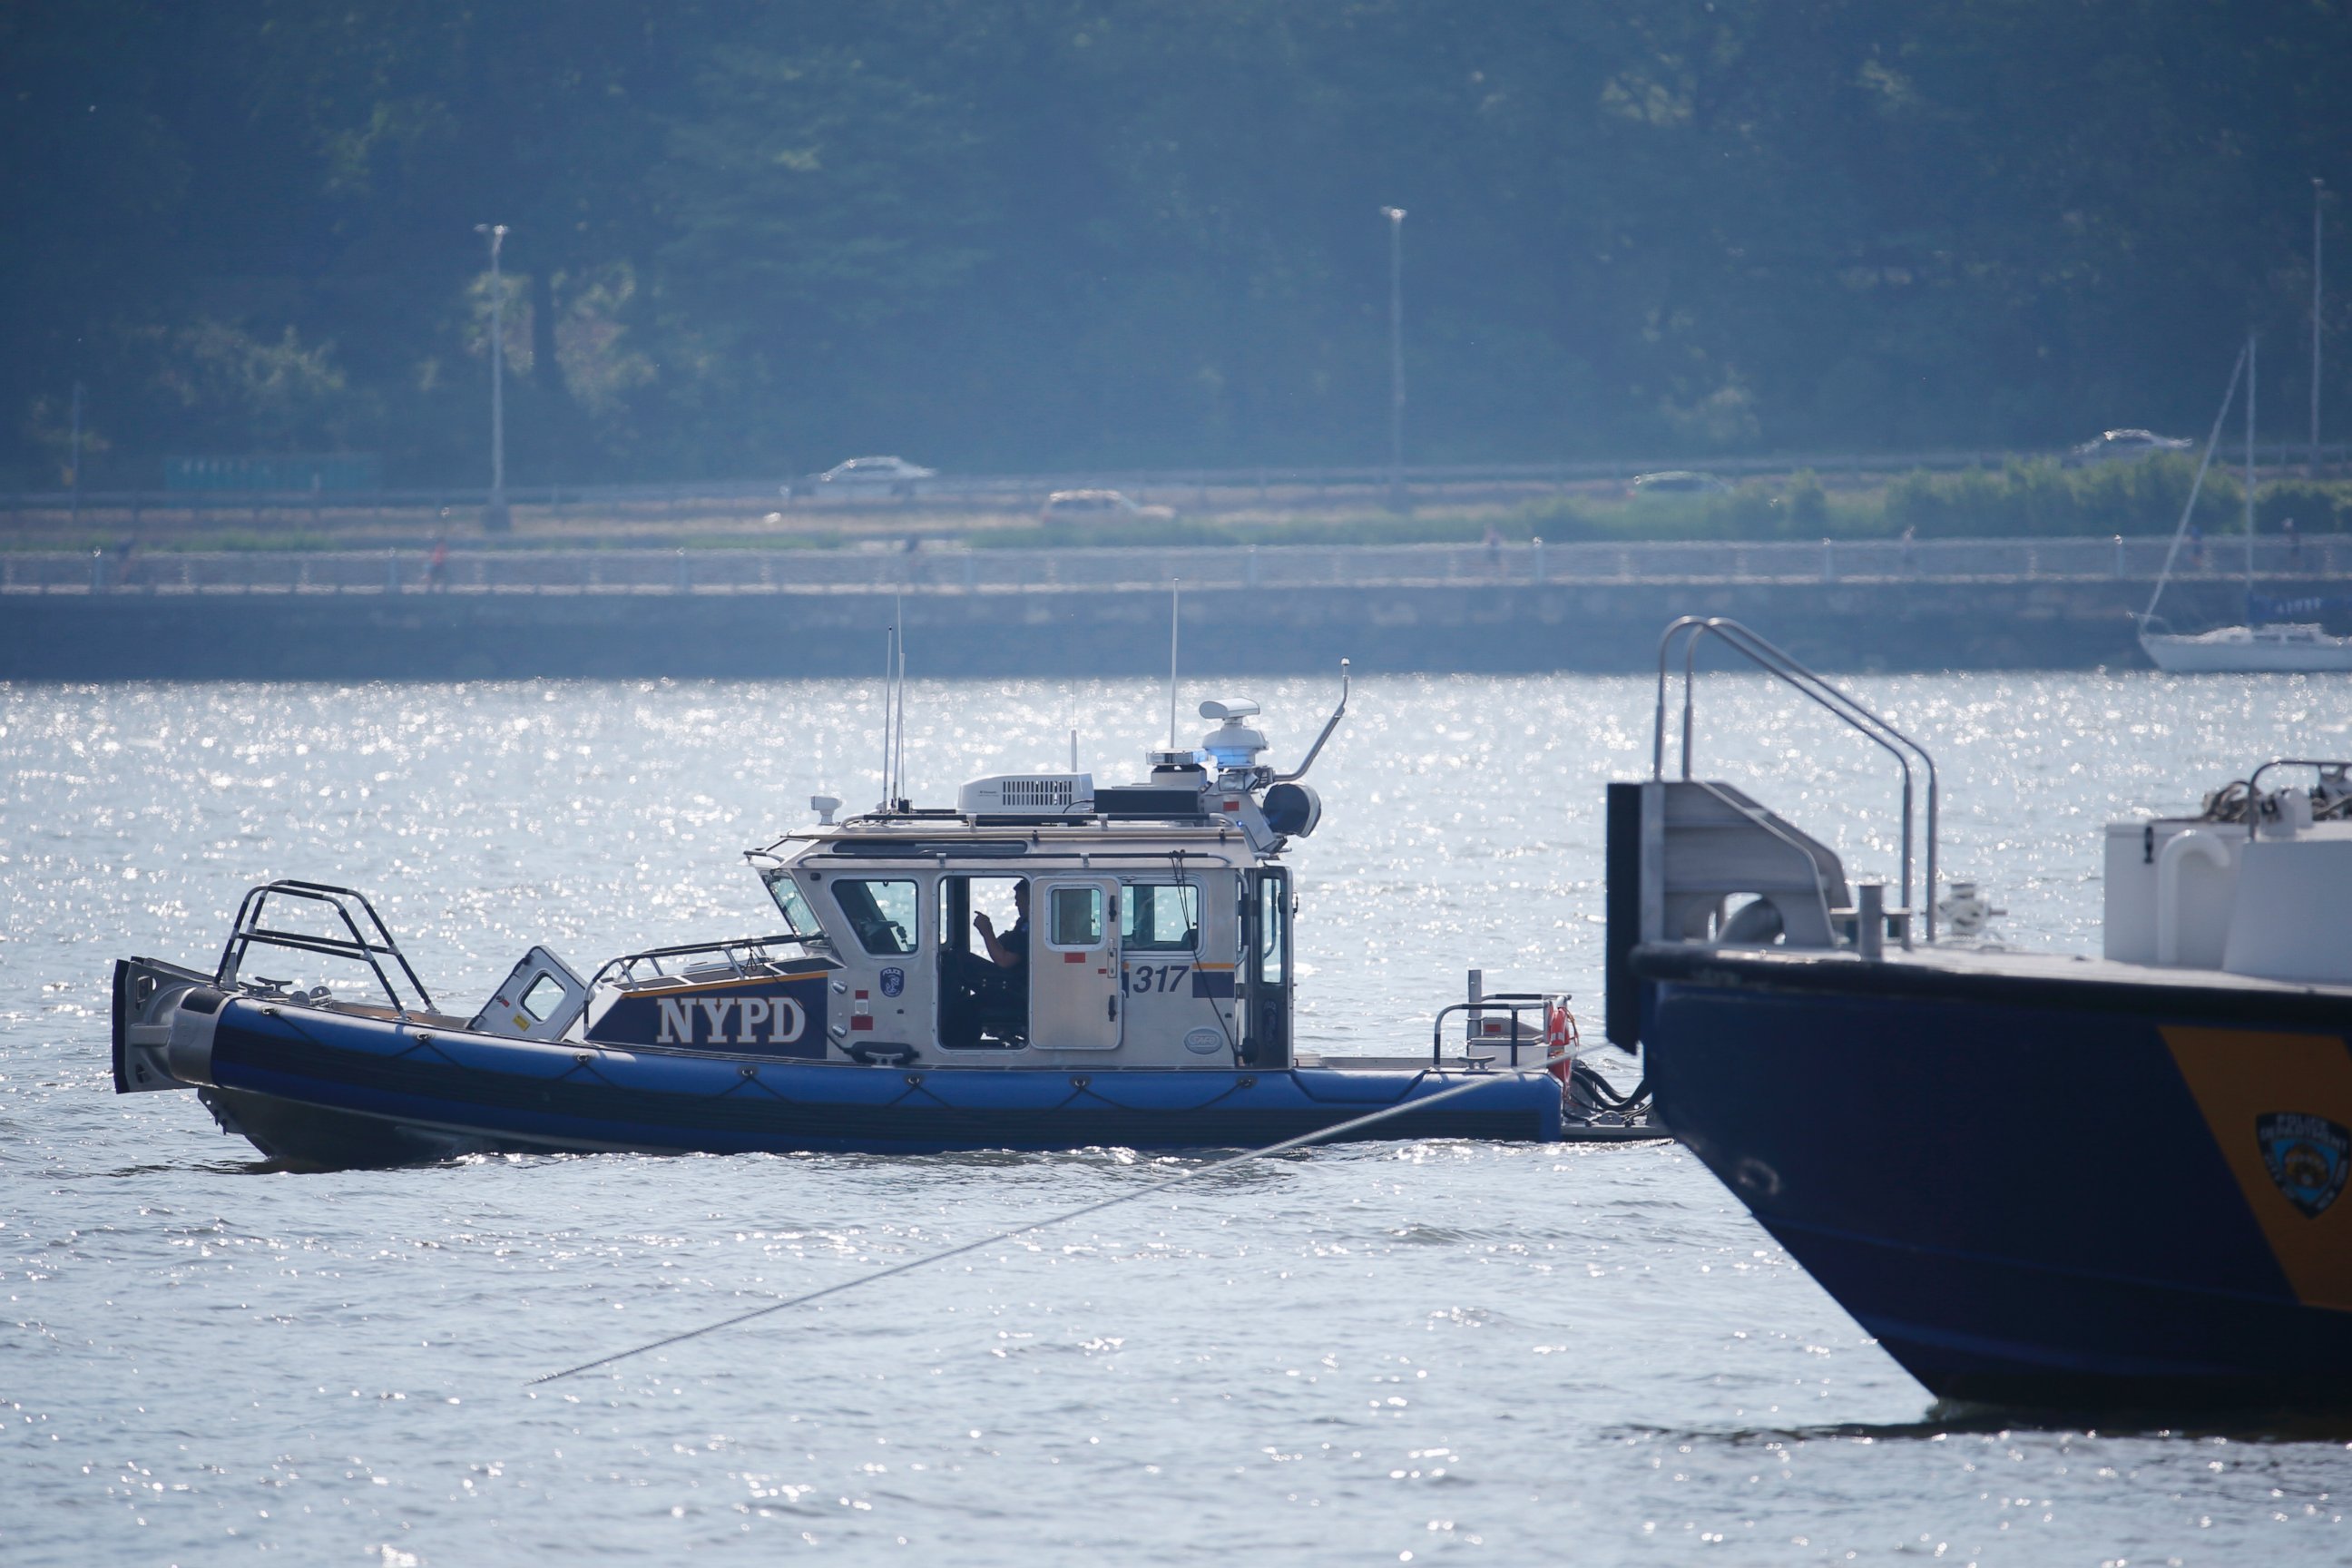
<point>1379,1353</point>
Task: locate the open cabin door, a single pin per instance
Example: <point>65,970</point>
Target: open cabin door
<point>1074,969</point>
<point>540,1001</point>
<point>1265,969</point>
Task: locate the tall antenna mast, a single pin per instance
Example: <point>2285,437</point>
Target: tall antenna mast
<point>889,662</point>
<point>899,795</point>
<point>1175,618</point>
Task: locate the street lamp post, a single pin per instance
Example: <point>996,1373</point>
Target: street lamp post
<point>1396,354</point>
<point>494,515</point>
<point>2317,186</point>
<point>73,456</point>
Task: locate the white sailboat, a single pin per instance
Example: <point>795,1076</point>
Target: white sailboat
<point>2269,647</point>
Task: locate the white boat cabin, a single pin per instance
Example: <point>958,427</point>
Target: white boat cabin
<point>1046,922</point>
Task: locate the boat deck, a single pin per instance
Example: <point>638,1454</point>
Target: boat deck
<point>2041,978</point>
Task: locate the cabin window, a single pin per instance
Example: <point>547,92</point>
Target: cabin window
<point>1160,917</point>
<point>1273,933</point>
<point>1073,917</point>
<point>799,918</point>
<point>545,995</point>
<point>882,913</point>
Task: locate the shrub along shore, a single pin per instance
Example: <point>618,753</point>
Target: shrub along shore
<point>2023,498</point>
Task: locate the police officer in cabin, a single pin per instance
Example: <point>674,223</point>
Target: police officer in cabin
<point>1010,952</point>
<point>993,989</point>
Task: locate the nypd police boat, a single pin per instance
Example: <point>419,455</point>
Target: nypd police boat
<point>2053,1180</point>
<point>1048,964</point>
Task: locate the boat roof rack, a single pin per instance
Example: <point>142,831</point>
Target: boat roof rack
<point>736,955</point>
<point>248,932</point>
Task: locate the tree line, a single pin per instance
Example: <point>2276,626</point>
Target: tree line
<point>755,238</point>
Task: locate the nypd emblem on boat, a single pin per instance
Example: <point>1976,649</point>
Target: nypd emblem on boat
<point>894,981</point>
<point>2308,1157</point>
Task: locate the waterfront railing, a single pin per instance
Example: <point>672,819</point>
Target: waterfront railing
<point>2278,563</point>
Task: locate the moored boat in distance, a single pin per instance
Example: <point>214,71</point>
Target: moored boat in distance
<point>2271,649</point>
<point>2266,644</point>
<point>1047,964</point>
<point>2048,1181</point>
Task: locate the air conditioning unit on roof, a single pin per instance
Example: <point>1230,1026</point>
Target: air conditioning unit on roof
<point>1029,794</point>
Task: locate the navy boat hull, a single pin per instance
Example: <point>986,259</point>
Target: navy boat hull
<point>2035,1190</point>
<point>323,1088</point>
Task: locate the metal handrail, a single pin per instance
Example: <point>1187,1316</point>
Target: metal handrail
<point>2254,779</point>
<point>746,945</point>
<point>247,932</point>
<point>1511,1002</point>
<point>1784,667</point>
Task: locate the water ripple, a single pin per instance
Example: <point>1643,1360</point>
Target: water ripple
<point>1394,1352</point>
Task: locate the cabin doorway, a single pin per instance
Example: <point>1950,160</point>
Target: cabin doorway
<point>984,1005</point>
<point>1266,974</point>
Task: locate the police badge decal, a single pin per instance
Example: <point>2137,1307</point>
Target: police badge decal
<point>2308,1156</point>
<point>893,982</point>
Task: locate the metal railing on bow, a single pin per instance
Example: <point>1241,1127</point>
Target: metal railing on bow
<point>1782,665</point>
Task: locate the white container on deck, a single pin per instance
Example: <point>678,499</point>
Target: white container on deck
<point>2294,892</point>
<point>2172,891</point>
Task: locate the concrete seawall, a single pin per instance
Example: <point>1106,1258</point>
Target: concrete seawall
<point>1850,624</point>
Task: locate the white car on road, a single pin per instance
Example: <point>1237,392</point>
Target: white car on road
<point>893,477</point>
<point>1678,482</point>
<point>2115,444</point>
<point>1100,506</point>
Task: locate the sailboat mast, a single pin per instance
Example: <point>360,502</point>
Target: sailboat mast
<point>2212,439</point>
<point>2250,476</point>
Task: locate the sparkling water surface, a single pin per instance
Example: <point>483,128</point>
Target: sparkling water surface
<point>1376,1353</point>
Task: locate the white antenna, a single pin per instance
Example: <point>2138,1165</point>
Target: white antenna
<point>890,661</point>
<point>899,794</point>
<point>1074,751</point>
<point>1175,618</point>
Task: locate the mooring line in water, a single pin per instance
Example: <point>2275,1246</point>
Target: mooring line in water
<point>1304,1139</point>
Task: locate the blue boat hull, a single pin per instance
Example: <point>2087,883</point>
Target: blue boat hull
<point>2032,1191</point>
<point>325,1089</point>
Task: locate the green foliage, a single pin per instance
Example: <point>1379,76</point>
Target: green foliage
<point>2311,508</point>
<point>753,239</point>
<point>1808,503</point>
<point>1798,508</point>
<point>2023,499</point>
<point>1420,528</point>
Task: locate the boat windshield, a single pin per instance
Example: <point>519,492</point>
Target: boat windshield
<point>1160,917</point>
<point>798,917</point>
<point>881,910</point>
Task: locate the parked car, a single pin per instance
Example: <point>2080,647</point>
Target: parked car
<point>1100,506</point>
<point>863,476</point>
<point>1678,482</point>
<point>2115,444</point>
